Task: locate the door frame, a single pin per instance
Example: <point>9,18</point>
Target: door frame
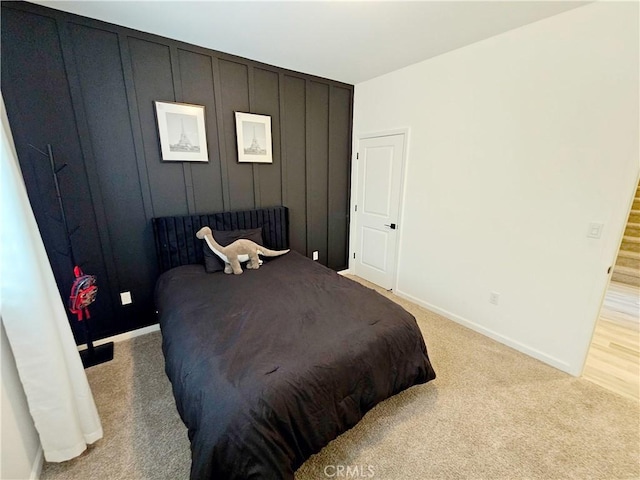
<point>353,231</point>
<point>612,263</point>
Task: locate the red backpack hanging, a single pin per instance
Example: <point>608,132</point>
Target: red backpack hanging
<point>83,293</point>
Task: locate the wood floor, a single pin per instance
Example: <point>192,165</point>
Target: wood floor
<point>613,361</point>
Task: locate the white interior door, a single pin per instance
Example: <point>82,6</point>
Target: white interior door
<point>380,161</point>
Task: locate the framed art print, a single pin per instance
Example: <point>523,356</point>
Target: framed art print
<point>253,133</point>
<point>182,132</point>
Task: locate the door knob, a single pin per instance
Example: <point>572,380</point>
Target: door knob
<point>392,226</point>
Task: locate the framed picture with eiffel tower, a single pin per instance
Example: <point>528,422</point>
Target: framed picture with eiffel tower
<point>182,132</point>
<point>253,133</point>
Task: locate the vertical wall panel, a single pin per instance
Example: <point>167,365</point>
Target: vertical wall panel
<point>339,177</point>
<point>99,67</point>
<point>295,183</point>
<point>36,91</point>
<point>21,63</point>
<point>235,98</point>
<point>266,101</point>
<point>197,87</point>
<point>317,167</point>
<point>151,64</point>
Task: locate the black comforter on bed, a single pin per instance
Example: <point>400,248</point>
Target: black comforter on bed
<point>269,366</point>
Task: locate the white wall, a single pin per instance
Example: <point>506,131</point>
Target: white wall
<point>516,144</point>
<point>21,456</point>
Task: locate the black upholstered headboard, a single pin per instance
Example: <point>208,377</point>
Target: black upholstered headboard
<point>176,242</point>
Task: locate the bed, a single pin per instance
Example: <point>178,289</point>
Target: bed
<point>269,366</point>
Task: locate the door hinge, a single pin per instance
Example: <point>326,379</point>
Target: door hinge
<point>356,208</point>
<point>357,156</point>
<point>354,255</point>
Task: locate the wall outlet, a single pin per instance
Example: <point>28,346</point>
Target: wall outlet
<point>125,298</point>
<point>315,255</point>
<point>494,298</point>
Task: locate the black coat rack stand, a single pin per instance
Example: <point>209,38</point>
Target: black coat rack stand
<point>92,355</point>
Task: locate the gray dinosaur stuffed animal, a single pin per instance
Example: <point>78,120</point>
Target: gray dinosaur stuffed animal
<point>242,250</point>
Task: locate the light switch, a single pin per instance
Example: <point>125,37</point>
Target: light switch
<point>595,230</point>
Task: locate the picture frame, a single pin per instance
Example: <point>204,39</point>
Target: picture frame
<point>253,133</point>
<point>182,132</point>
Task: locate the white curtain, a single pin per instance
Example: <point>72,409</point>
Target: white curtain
<point>34,317</point>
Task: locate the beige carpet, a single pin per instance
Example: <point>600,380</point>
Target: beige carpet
<point>492,413</point>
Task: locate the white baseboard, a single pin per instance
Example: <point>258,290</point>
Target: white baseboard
<point>36,468</point>
<point>123,336</point>
<point>532,352</point>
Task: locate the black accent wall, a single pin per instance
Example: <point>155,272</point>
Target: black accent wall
<point>87,88</point>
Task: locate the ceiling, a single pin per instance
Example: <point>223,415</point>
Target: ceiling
<point>346,41</point>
